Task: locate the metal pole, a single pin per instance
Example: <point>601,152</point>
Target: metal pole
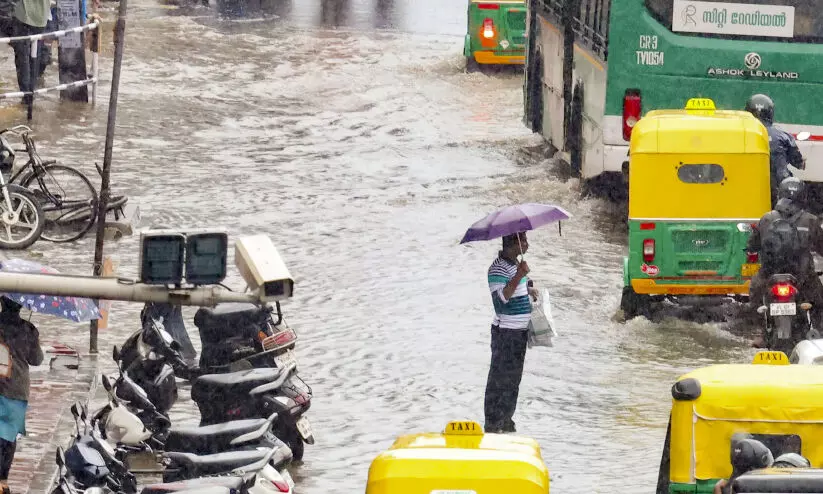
<point>119,42</point>
<point>118,289</point>
<point>32,68</point>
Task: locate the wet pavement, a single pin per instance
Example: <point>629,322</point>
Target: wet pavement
<point>359,145</point>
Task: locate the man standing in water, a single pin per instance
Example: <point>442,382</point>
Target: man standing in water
<point>510,289</point>
<point>19,348</point>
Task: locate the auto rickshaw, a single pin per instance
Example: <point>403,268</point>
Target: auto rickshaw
<point>778,404</point>
<point>496,33</point>
<point>698,181</point>
<point>461,460</point>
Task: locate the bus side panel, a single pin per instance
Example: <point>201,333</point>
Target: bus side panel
<point>550,45</point>
<point>592,74</point>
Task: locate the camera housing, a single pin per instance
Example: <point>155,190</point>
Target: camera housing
<point>262,268</point>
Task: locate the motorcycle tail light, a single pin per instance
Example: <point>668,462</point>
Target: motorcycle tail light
<point>784,290</point>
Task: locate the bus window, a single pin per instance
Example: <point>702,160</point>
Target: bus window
<point>808,25</point>
<point>701,174</point>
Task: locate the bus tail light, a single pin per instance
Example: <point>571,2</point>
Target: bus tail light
<point>632,106</point>
<point>488,6</point>
<point>648,250</point>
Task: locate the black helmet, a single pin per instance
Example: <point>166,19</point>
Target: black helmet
<point>792,188</point>
<point>762,107</point>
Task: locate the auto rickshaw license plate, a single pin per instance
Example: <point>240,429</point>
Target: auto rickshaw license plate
<point>748,270</point>
<point>789,309</point>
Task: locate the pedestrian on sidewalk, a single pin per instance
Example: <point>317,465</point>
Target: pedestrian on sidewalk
<point>510,290</point>
<point>19,348</point>
<point>27,18</point>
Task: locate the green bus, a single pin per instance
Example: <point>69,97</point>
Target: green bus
<point>594,67</point>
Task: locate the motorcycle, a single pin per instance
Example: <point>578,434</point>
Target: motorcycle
<point>787,318</point>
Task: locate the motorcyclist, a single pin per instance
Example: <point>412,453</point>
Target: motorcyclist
<point>790,204</point>
<point>782,146</point>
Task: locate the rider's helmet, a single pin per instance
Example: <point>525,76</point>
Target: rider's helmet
<point>762,107</point>
<point>792,188</point>
<point>791,460</point>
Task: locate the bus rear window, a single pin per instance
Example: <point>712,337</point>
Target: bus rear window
<point>742,19</point>
<point>701,174</point>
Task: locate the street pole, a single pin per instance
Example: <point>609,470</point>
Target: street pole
<point>119,42</point>
<point>109,288</point>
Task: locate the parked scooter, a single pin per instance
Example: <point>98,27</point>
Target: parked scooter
<point>150,358</point>
<point>66,484</point>
<point>126,429</point>
<point>239,336</point>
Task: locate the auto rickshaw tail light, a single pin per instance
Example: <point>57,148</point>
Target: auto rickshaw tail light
<point>784,290</point>
<point>648,250</point>
<point>632,108</point>
<point>488,31</point>
<point>752,257</point>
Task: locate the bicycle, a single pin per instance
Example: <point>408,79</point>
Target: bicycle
<point>19,209</point>
<point>69,205</point>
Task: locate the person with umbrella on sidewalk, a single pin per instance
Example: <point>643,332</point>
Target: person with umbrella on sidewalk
<point>19,348</point>
<point>510,291</point>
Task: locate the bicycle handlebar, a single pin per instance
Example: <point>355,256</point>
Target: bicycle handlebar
<point>16,129</point>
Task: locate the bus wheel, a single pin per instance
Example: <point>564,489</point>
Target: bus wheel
<point>472,65</point>
<point>633,304</point>
<point>575,132</point>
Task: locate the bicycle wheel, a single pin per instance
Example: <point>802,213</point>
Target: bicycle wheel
<point>21,225</point>
<point>68,199</point>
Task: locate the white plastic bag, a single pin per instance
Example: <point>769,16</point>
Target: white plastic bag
<point>541,326</point>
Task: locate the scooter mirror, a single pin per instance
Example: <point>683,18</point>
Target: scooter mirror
<point>175,346</point>
<point>83,414</point>
<point>60,457</point>
<point>803,136</point>
<point>115,354</point>
<point>106,383</point>
<point>75,410</point>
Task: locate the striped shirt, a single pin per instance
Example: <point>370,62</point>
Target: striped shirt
<point>515,312</point>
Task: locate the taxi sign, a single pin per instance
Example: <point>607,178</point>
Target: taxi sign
<point>463,428</point>
<point>770,358</point>
<point>700,106</point>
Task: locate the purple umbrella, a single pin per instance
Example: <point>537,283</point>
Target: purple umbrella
<point>514,219</point>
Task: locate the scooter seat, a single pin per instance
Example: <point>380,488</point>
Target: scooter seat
<point>240,382</point>
<point>230,319</point>
<point>212,489</point>
<point>214,438</point>
<point>199,485</point>
<point>198,466</point>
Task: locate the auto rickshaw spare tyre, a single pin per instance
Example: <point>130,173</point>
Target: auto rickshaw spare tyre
<point>634,304</point>
<point>665,463</point>
<point>575,131</point>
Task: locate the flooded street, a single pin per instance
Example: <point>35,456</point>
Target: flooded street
<point>350,134</point>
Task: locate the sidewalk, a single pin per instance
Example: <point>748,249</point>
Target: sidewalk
<point>49,422</point>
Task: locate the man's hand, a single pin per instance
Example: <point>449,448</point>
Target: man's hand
<point>718,487</point>
<point>522,270</point>
<point>534,292</point>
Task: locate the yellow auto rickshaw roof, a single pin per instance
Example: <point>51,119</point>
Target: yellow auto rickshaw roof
<point>683,131</point>
<point>748,384</point>
<point>723,400</point>
<point>448,460</point>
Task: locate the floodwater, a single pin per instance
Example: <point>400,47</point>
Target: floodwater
<point>348,132</point>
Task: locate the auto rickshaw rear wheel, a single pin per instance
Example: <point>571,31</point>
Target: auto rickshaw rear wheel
<point>634,304</point>
<point>472,65</point>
